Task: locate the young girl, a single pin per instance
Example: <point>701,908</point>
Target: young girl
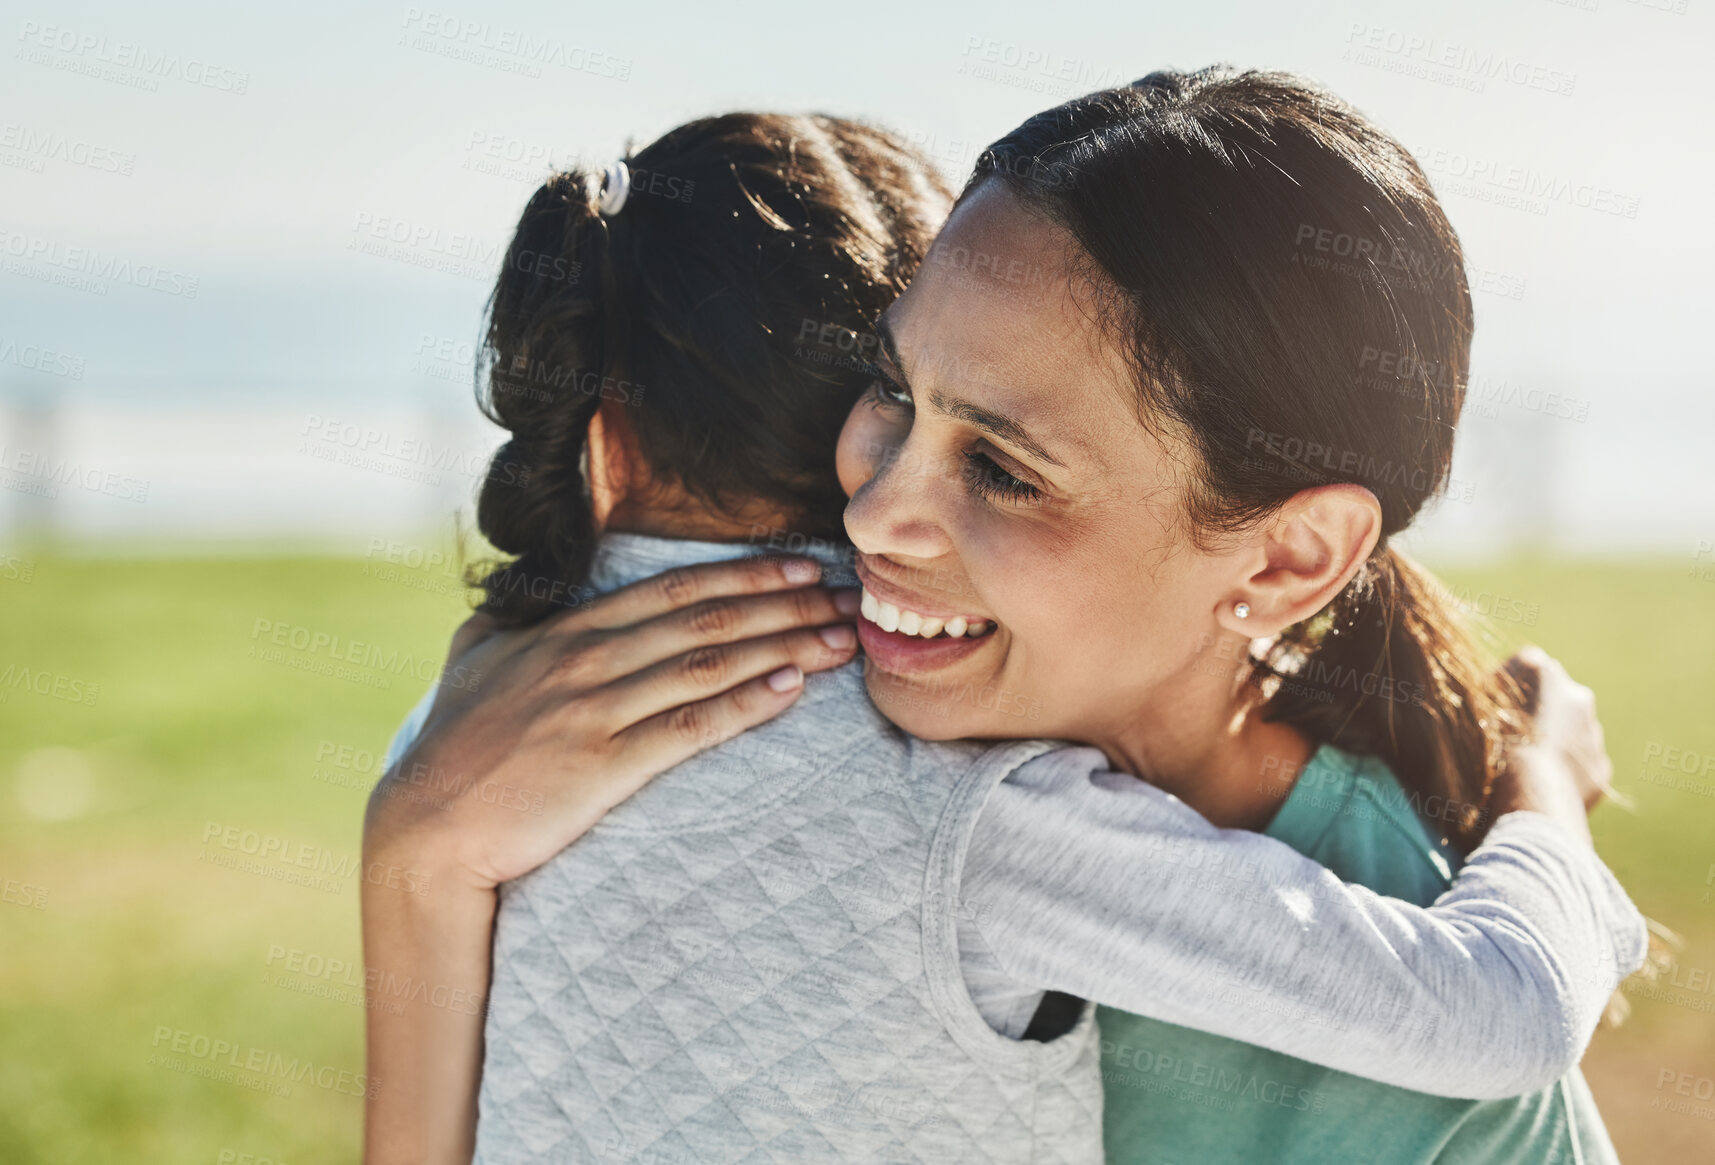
<point>822,940</point>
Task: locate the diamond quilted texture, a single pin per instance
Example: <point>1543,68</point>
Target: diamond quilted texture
<point>732,969</point>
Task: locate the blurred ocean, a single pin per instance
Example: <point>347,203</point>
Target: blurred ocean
<point>336,408</point>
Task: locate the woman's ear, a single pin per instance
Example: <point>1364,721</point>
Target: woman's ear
<point>1305,555</point>
<point>611,448</point>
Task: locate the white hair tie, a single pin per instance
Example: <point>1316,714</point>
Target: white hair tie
<point>615,188</point>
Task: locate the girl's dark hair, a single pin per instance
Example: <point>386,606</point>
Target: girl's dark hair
<point>1295,303</point>
<point>726,305</point>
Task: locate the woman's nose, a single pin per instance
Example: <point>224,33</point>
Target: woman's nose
<point>899,510</point>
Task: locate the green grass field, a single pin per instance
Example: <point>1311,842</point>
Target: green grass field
<point>166,997</point>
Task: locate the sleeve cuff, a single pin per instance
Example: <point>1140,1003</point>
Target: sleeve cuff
<point>1627,934</point>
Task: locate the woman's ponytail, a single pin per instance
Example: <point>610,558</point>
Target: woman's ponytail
<point>1295,303</point>
<point>1392,669</point>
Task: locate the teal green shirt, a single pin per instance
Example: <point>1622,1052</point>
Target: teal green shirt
<point>1175,1096</point>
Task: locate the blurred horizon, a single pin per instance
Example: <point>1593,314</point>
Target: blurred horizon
<point>201,283</point>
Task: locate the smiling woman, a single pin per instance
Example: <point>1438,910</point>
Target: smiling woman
<point>803,925</point>
<point>1113,435</point>
<point>1172,490</point>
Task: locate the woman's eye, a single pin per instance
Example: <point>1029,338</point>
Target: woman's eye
<point>990,480</point>
<point>884,389</point>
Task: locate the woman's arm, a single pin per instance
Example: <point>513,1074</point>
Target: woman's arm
<point>427,974</point>
<point>542,733</point>
<point>1097,884</point>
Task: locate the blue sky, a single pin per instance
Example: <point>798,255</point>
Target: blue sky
<point>249,150</point>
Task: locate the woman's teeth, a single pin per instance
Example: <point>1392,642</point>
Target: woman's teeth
<point>890,618</point>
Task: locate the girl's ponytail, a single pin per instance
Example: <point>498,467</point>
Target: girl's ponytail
<point>550,332</point>
<point>1393,670</point>
<point>725,305</point>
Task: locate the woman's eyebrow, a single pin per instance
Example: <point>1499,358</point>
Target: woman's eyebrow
<point>1005,428</point>
<point>996,425</point>
<point>884,332</point>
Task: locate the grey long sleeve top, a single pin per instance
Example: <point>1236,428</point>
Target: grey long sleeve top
<point>1092,882</point>
<point>1080,879</point>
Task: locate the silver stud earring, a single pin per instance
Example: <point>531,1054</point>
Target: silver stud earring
<point>1242,610</point>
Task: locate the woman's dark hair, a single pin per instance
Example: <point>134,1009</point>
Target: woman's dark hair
<point>1295,303</point>
<point>729,300</point>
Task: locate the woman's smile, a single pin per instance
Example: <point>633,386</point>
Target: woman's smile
<point>906,632</point>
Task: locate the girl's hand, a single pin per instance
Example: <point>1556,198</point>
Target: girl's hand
<point>535,734</point>
<point>1563,770</point>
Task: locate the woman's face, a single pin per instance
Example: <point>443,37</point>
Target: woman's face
<point>999,473</point>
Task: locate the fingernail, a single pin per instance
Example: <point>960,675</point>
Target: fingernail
<point>800,570</point>
<point>847,602</point>
<point>786,679</point>
<point>839,637</point>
